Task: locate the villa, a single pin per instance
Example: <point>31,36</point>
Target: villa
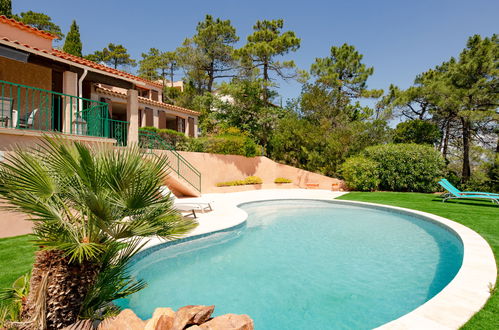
<point>43,89</point>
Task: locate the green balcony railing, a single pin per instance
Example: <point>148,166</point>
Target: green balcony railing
<point>178,164</point>
<point>118,130</point>
<point>31,108</point>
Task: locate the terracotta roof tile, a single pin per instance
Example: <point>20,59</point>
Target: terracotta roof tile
<point>69,57</point>
<point>149,101</point>
<point>22,26</point>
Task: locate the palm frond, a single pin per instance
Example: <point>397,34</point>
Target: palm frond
<point>94,204</point>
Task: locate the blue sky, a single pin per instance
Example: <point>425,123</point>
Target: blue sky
<point>399,38</point>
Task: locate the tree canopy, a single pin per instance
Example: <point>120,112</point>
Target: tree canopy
<point>72,44</point>
<point>265,44</point>
<point>208,55</point>
<point>6,8</point>
<point>113,55</point>
<point>158,65</point>
<point>340,80</point>
<point>40,21</point>
<point>460,96</point>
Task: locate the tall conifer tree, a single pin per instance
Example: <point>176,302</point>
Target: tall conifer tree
<point>73,44</point>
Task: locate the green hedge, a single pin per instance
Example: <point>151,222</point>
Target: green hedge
<point>225,144</point>
<point>173,137</point>
<point>395,167</point>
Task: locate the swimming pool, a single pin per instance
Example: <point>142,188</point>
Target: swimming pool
<point>300,264</point>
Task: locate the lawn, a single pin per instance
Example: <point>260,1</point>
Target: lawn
<point>16,253</point>
<point>483,217</point>
<point>16,258</point>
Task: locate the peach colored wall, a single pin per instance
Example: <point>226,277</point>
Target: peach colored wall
<point>217,168</point>
<point>25,37</point>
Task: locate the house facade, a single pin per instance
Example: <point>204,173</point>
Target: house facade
<point>43,89</point>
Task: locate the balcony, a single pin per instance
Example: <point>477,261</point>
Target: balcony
<point>37,110</point>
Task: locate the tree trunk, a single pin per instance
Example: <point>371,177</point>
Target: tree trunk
<point>61,285</point>
<point>265,81</point>
<point>211,73</point>
<point>466,173</point>
<point>171,76</point>
<point>445,147</point>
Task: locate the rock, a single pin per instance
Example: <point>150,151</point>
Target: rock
<point>191,314</point>
<point>169,316</point>
<point>164,323</point>
<point>126,320</point>
<point>80,325</point>
<point>229,322</point>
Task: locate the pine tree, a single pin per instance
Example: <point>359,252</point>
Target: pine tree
<point>40,21</point>
<point>73,45</point>
<point>268,42</point>
<point>6,8</point>
<point>113,55</point>
<point>208,54</point>
<point>340,82</point>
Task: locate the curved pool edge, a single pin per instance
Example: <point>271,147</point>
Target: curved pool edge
<point>452,307</point>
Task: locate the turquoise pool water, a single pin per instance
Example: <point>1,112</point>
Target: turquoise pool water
<point>304,265</point>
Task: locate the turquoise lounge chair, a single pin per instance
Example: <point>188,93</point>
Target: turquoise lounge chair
<point>455,193</point>
<point>446,184</point>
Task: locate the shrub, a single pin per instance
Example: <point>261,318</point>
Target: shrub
<point>226,144</point>
<point>196,144</point>
<point>407,167</point>
<point>231,145</point>
<point>361,173</point>
<point>282,180</point>
<point>253,180</point>
<point>171,136</point>
<point>249,180</point>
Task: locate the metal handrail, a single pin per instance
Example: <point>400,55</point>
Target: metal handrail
<point>155,141</point>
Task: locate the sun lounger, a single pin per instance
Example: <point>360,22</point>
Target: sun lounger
<point>190,205</point>
<point>454,193</point>
<point>450,187</point>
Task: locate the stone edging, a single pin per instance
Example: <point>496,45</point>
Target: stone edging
<point>452,307</point>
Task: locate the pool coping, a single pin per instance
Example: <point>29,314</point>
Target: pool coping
<point>451,308</point>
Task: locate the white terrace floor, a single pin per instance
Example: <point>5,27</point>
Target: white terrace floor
<point>452,307</point>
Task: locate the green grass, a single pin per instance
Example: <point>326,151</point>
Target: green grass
<point>482,217</point>
<point>16,258</point>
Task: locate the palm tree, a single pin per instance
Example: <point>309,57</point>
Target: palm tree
<point>92,207</point>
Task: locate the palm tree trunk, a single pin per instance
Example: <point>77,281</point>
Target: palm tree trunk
<point>66,286</point>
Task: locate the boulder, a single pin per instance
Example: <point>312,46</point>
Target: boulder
<point>164,323</point>
<point>126,320</point>
<point>191,315</point>
<point>166,314</point>
<point>79,325</point>
<point>229,322</point>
